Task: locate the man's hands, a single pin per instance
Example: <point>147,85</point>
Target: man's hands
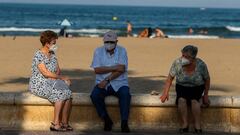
<point>119,68</point>
<point>102,84</point>
<point>111,69</point>
<point>115,70</point>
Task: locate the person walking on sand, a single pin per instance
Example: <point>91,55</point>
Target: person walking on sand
<point>129,29</point>
<point>110,63</point>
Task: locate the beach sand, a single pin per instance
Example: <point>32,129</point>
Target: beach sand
<point>149,62</point>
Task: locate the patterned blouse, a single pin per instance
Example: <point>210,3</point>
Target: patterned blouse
<point>53,90</point>
<point>196,79</point>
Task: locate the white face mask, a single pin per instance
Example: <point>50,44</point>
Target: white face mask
<point>109,46</point>
<point>185,61</point>
<point>53,48</point>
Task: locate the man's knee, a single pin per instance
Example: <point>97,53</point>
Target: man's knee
<point>96,94</point>
<point>124,92</point>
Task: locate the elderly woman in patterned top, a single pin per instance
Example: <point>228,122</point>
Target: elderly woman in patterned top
<point>46,81</point>
<point>192,83</point>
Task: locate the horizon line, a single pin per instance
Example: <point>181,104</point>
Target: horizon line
<point>122,5</point>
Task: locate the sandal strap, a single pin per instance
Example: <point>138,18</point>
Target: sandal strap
<point>61,128</point>
<point>53,124</point>
<point>67,126</point>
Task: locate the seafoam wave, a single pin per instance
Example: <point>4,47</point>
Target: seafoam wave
<point>88,35</point>
<point>187,36</point>
<point>232,28</point>
<point>15,29</point>
<point>100,31</point>
<point>194,36</point>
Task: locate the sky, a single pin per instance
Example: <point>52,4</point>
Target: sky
<point>162,3</point>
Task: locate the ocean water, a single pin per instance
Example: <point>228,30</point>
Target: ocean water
<point>93,21</point>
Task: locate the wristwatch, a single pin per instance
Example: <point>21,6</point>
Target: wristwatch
<point>107,79</point>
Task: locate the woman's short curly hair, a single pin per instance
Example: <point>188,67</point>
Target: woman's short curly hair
<point>191,50</point>
<point>47,36</point>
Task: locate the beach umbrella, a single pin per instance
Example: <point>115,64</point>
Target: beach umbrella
<point>65,22</point>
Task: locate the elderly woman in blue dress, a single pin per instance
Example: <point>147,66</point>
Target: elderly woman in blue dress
<point>192,84</point>
<point>46,81</point>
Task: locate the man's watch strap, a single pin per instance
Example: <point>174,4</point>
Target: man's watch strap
<point>107,79</point>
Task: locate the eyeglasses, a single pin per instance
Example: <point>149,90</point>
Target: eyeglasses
<point>110,42</point>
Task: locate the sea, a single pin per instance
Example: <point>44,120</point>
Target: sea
<point>95,20</point>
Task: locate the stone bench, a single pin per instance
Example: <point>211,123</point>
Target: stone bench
<point>25,111</point>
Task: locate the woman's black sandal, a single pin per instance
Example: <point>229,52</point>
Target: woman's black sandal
<point>183,130</point>
<point>198,131</point>
<point>60,129</point>
<point>67,127</point>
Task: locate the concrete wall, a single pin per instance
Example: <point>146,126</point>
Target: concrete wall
<point>28,112</point>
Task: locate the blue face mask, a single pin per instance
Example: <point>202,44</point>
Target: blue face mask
<point>109,46</point>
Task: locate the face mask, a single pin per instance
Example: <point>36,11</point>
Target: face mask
<point>109,46</point>
<point>185,61</point>
<point>53,48</point>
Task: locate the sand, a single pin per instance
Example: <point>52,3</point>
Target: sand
<point>149,62</point>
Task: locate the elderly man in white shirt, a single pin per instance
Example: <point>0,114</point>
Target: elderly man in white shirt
<point>110,64</point>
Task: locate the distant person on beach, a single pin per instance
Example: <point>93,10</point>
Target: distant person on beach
<point>205,32</point>
<point>143,33</point>
<point>147,32</point>
<point>129,29</point>
<point>190,31</point>
<point>46,81</point>
<point>150,31</point>
<point>63,32</point>
<point>159,33</point>
<point>192,84</point>
<point>110,63</point>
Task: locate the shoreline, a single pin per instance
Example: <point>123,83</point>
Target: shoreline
<point>185,36</point>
